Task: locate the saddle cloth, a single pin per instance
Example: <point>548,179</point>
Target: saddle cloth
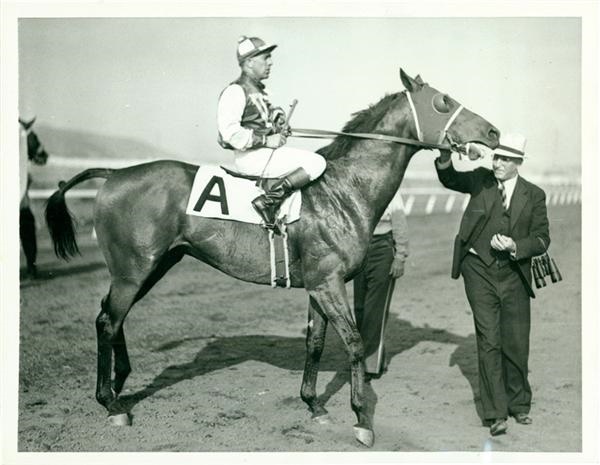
<point>217,194</point>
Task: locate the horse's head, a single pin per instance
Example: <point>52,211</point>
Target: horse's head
<point>439,119</point>
<point>35,150</point>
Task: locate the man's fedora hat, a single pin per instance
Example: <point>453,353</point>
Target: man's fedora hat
<point>511,145</point>
<point>249,47</point>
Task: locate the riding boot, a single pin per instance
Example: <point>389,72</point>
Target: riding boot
<point>267,205</point>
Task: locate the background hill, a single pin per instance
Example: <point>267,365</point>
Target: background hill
<point>72,151</point>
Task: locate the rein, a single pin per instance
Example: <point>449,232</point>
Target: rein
<point>323,134</point>
<point>317,133</point>
<point>419,107</point>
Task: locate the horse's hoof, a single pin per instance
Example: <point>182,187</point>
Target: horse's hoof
<point>322,419</point>
<point>121,419</point>
<point>364,436</point>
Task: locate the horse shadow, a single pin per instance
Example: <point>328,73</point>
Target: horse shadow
<point>288,353</point>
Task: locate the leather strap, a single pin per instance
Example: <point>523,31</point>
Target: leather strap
<point>322,134</point>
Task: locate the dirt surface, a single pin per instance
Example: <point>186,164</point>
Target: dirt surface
<point>217,363</point>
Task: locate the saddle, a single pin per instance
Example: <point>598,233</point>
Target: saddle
<point>222,193</point>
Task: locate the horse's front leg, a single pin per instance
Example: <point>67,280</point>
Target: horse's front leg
<point>315,342</point>
<point>331,297</point>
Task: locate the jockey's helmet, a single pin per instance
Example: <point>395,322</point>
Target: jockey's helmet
<point>249,47</point>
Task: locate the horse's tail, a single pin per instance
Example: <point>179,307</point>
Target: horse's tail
<point>59,218</point>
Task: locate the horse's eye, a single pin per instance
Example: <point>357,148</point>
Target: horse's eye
<point>441,103</point>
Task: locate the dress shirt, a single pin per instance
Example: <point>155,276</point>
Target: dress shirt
<point>509,188</point>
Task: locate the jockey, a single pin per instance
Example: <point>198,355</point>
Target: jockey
<point>255,130</point>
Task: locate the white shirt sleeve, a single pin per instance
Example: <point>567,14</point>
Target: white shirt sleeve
<point>399,225</point>
<point>229,116</point>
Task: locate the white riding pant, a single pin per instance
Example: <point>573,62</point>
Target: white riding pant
<point>282,161</point>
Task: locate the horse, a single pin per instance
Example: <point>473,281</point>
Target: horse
<point>143,230</point>
<point>31,150</point>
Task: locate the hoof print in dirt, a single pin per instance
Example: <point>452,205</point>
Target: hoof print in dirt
<point>298,432</point>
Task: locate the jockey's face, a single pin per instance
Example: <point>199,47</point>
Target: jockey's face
<point>506,168</point>
<point>259,67</point>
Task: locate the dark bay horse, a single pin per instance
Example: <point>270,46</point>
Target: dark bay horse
<point>143,230</point>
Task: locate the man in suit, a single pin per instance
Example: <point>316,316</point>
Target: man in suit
<point>504,225</point>
<point>374,285</point>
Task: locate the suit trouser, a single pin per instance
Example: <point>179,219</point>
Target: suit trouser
<point>373,289</point>
<point>501,311</point>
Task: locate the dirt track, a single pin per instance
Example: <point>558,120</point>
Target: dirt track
<point>217,363</point>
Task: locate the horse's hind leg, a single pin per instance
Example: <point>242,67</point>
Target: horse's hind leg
<point>124,292</point>
<point>122,365</point>
<point>109,331</point>
<point>315,342</point>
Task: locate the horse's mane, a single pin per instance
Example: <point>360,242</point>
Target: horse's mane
<point>363,121</point>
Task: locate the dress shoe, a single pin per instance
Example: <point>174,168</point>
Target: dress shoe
<point>498,427</point>
<point>523,418</point>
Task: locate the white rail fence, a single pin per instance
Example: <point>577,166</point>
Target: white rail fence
<point>417,200</point>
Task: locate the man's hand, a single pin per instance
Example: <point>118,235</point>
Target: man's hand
<point>397,268</point>
<point>275,141</point>
<point>278,119</point>
<point>503,243</point>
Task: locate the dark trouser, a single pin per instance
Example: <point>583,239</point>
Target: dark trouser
<point>27,235</point>
<point>373,289</point>
<point>501,310</point>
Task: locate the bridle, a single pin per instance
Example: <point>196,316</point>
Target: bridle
<point>428,137</point>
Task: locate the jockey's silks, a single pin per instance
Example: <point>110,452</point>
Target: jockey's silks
<point>258,110</point>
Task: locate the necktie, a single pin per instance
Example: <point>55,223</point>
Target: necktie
<point>502,190</point>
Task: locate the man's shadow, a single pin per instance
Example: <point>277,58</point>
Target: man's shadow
<point>288,353</point>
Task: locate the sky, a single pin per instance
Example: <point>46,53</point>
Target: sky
<point>158,79</point>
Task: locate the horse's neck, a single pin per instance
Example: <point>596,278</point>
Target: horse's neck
<point>373,179</point>
<point>367,178</point>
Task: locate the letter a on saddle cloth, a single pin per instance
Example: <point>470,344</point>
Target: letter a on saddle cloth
<point>217,194</point>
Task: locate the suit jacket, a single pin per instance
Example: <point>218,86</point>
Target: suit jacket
<point>529,226</point>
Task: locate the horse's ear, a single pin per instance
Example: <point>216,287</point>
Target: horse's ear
<point>27,124</point>
<point>419,79</point>
<point>409,83</point>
